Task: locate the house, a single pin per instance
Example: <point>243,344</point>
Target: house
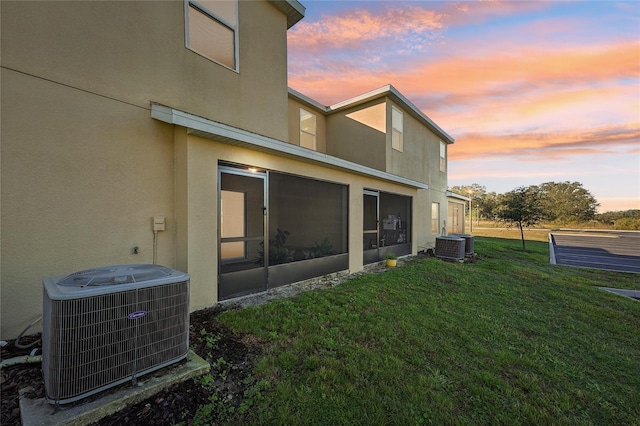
<point>164,132</point>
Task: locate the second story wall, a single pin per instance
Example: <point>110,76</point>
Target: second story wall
<point>420,156</point>
<point>358,134</point>
<point>136,52</point>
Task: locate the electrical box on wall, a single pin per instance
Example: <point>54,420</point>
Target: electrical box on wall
<point>158,223</point>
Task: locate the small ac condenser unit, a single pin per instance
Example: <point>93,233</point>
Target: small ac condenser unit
<point>450,247</point>
<point>105,326</point>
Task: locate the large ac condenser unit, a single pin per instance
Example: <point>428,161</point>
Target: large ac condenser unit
<point>450,247</point>
<point>106,326</point>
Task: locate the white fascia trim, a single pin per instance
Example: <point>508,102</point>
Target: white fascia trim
<point>422,115</point>
<point>405,103</point>
<point>456,195</point>
<point>307,100</point>
<point>373,94</point>
<point>190,121</point>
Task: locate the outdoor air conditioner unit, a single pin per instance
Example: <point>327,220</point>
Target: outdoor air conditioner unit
<point>105,326</point>
<point>450,247</point>
<point>469,244</point>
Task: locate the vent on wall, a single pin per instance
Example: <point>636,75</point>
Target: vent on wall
<point>106,326</point>
<point>450,247</point>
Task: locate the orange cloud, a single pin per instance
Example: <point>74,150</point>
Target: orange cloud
<point>542,110</point>
<point>533,146</point>
<point>357,27</point>
<point>478,75</point>
<point>454,80</point>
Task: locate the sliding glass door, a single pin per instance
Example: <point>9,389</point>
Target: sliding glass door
<point>386,225</point>
<point>242,213</point>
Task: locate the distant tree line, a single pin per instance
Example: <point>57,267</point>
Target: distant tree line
<point>626,219</point>
<point>557,203</point>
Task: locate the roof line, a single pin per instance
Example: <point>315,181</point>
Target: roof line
<point>456,195</point>
<point>292,8</point>
<point>308,100</point>
<point>236,136</point>
<point>387,90</point>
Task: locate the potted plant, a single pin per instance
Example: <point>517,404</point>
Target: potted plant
<point>392,260</point>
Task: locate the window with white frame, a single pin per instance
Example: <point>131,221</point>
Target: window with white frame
<point>307,129</point>
<point>435,218</point>
<point>396,129</point>
<point>212,30</point>
<point>443,157</point>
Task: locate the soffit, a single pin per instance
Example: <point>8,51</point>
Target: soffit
<point>209,129</point>
<point>292,8</point>
<point>458,196</point>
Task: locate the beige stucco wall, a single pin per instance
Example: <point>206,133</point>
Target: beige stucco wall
<point>357,140</point>
<point>359,134</point>
<point>420,158</point>
<point>82,176</point>
<point>134,51</point>
<point>201,159</point>
<point>85,168</point>
<point>294,125</point>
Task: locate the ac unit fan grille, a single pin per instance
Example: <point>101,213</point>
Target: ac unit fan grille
<point>450,248</point>
<point>95,343</point>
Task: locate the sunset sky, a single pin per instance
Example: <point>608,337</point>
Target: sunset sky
<point>532,92</point>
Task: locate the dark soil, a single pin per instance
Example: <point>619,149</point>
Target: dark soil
<point>231,357</point>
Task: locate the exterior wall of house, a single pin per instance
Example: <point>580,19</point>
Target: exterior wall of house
<point>420,161</point>
<point>359,134</point>
<point>85,167</point>
<point>135,52</point>
<point>294,125</point>
<point>413,161</point>
<point>197,185</point>
<point>82,176</point>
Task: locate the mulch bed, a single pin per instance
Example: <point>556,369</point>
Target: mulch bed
<point>180,402</point>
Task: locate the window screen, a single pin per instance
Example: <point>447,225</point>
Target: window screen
<point>307,218</point>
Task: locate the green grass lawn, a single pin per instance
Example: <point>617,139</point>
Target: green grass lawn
<point>509,339</point>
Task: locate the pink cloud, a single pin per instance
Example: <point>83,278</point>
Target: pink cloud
<point>552,145</point>
<point>455,80</point>
<point>358,27</point>
<point>470,12</point>
<point>500,98</point>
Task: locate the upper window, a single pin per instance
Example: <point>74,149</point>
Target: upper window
<point>212,30</point>
<point>307,129</point>
<point>443,157</point>
<point>396,129</point>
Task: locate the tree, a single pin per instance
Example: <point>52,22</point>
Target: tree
<point>521,207</point>
<point>489,205</point>
<point>567,202</point>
